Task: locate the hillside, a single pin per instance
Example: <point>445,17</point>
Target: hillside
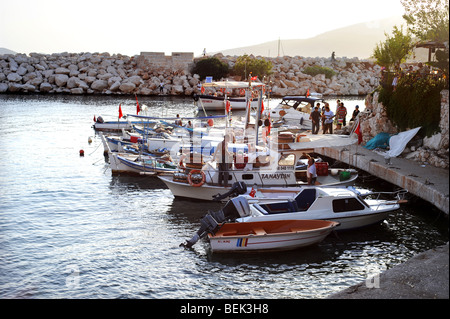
<point>6,51</point>
<point>357,40</point>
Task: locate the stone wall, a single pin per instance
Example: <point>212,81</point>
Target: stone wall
<point>429,151</point>
<point>102,73</point>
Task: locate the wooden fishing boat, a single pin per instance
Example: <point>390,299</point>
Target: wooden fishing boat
<point>269,236</point>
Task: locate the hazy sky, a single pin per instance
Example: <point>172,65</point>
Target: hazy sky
<point>131,26</point>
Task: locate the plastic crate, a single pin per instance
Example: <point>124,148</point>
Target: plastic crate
<point>321,168</point>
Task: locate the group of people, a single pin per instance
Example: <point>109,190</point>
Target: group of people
<point>325,117</point>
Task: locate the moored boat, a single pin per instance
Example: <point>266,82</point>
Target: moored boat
<point>227,235</point>
<point>269,235</point>
<point>340,204</point>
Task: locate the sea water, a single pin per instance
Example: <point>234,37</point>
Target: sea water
<point>69,229</point>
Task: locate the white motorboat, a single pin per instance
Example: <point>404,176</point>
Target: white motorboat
<point>343,205</point>
<point>226,235</point>
<point>125,163</point>
<point>218,103</point>
<point>264,170</point>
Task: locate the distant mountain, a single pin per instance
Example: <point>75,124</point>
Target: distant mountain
<point>357,40</point>
<point>6,51</point>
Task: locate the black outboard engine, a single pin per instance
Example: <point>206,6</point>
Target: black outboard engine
<point>238,188</point>
<point>235,208</point>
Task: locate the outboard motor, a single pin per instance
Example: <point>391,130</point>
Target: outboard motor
<point>235,208</point>
<point>238,188</point>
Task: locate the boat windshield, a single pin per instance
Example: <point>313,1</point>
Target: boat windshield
<point>287,160</point>
<point>303,106</point>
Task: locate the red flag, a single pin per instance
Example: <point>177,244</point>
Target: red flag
<point>202,89</point>
<point>95,120</point>
<point>228,106</point>
<point>358,132</point>
<point>138,109</point>
<point>262,107</point>
<point>254,78</point>
<point>307,93</point>
<point>252,192</point>
<point>120,111</point>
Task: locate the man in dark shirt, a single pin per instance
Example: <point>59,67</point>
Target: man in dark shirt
<point>315,118</point>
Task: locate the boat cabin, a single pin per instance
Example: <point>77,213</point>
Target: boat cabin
<point>308,199</point>
<point>261,169</point>
<point>298,103</point>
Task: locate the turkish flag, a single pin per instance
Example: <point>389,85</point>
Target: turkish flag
<point>358,132</point>
<point>120,111</point>
<point>138,109</point>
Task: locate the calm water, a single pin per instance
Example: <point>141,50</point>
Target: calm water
<point>68,229</point>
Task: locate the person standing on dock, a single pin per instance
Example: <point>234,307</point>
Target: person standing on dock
<point>341,114</point>
<point>315,118</point>
<point>328,120</point>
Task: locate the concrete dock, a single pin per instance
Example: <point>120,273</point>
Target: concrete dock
<point>426,275</point>
<point>424,181</point>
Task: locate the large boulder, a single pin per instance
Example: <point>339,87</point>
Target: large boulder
<point>61,79</point>
<point>127,87</point>
<point>14,77</point>
<point>99,85</point>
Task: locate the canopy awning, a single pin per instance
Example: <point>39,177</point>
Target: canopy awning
<point>232,84</point>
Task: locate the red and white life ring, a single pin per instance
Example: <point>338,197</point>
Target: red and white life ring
<point>191,182</point>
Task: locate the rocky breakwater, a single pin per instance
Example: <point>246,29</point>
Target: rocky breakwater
<point>88,73</point>
<point>102,73</point>
<point>351,76</point>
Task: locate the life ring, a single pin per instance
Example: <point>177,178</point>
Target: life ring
<point>196,171</point>
<point>282,113</point>
<point>242,92</point>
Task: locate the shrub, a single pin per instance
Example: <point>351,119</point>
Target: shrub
<point>415,102</point>
<point>257,66</point>
<point>314,70</point>
<point>211,67</point>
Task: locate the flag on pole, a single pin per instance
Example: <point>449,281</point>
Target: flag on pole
<point>138,109</point>
<point>120,111</point>
<point>307,93</point>
<point>358,132</point>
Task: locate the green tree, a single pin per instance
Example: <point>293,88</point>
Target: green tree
<point>211,67</point>
<point>391,53</point>
<point>257,66</point>
<point>427,19</point>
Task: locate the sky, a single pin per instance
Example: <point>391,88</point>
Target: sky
<point>132,26</point>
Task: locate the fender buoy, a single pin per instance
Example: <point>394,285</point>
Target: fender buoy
<point>195,97</point>
<point>282,113</point>
<point>211,122</point>
<point>191,182</point>
<point>81,153</point>
<point>242,92</point>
